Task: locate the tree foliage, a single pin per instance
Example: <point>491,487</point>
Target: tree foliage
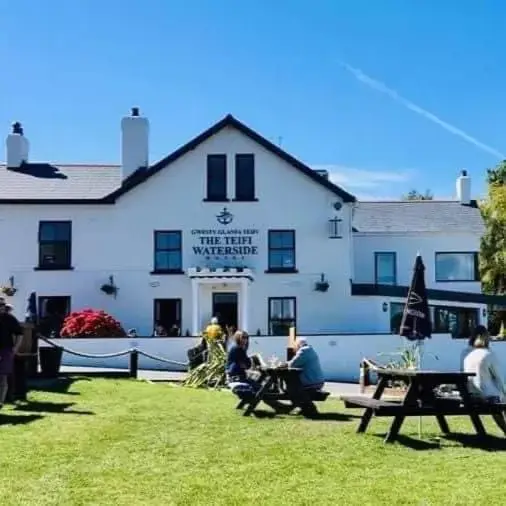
<point>493,242</point>
<point>416,195</point>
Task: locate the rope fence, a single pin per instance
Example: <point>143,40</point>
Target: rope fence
<point>133,352</point>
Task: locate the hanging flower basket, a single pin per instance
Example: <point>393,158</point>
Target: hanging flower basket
<point>110,288</point>
<point>322,286</point>
<point>9,291</point>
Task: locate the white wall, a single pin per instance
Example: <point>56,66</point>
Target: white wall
<point>118,240</point>
<point>407,246</point>
<point>340,355</point>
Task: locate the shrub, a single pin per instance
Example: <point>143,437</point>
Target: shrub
<point>211,373</point>
<point>91,323</point>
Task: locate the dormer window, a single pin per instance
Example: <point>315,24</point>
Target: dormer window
<point>216,178</point>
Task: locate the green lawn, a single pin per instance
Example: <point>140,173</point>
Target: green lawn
<point>121,442</point>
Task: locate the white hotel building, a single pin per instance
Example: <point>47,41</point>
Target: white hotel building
<point>228,224</point>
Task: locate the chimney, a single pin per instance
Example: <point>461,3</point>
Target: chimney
<point>134,142</point>
<point>17,147</point>
<point>464,188</point>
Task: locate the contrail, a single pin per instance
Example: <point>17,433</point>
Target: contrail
<point>383,88</point>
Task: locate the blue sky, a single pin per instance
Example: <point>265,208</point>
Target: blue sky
<point>72,69</point>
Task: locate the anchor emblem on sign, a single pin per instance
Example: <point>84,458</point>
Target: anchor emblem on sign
<point>225,217</point>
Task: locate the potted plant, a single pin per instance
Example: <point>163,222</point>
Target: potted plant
<point>50,359</point>
<point>9,290</point>
<point>110,288</point>
<point>211,372</point>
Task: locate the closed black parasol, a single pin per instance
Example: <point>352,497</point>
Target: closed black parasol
<point>416,324</point>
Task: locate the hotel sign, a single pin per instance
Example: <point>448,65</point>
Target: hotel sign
<point>217,242</point>
<point>225,243</point>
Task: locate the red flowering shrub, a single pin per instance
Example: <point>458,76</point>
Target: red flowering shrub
<point>91,322</point>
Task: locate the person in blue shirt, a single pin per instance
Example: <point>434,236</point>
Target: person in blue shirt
<point>306,358</point>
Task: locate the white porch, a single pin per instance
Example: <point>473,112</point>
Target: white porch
<point>206,282</point>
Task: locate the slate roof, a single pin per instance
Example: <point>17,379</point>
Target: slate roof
<point>40,181</point>
<point>417,216</point>
<point>69,184</point>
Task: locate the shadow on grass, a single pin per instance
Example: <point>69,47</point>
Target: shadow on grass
<point>487,443</point>
<point>50,407</point>
<point>414,444</point>
<point>18,419</point>
<point>335,417</point>
<point>320,417</point>
<point>56,385</point>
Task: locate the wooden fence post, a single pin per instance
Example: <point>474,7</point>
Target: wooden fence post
<point>292,337</point>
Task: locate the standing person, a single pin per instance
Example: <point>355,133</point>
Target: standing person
<point>214,332</point>
<point>17,380</point>
<point>11,335</point>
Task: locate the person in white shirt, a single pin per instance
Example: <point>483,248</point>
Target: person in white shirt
<point>488,382</point>
<point>468,349</point>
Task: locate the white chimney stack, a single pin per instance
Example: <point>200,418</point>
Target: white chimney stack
<point>17,147</point>
<point>134,143</point>
<point>464,188</point>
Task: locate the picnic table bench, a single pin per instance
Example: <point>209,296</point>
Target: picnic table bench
<point>422,400</point>
<point>281,384</point>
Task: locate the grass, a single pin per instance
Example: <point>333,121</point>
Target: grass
<point>122,442</point>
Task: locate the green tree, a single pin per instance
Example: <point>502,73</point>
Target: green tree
<point>493,242</point>
<point>416,195</point>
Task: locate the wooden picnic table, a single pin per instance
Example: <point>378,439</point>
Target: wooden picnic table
<point>421,399</point>
<point>281,384</point>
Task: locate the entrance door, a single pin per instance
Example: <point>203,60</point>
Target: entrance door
<point>168,315</point>
<point>225,308</point>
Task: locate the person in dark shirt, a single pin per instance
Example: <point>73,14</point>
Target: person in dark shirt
<point>11,335</point>
<point>238,364</point>
<point>238,361</point>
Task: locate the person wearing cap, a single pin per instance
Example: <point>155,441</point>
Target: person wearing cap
<point>11,335</point>
<point>306,359</point>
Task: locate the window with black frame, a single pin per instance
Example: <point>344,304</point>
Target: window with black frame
<point>459,322</point>
<point>456,266</point>
<point>281,245</point>
<point>55,245</point>
<point>282,315</point>
<point>168,252</point>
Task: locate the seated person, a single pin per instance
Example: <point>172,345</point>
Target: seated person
<point>238,361</point>
<point>488,382</point>
<point>307,359</point>
<point>468,349</point>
